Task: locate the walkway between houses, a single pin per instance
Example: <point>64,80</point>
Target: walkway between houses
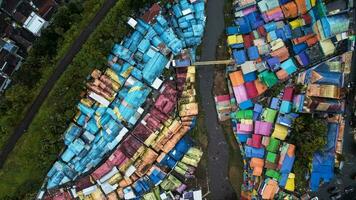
<point>60,68</point>
<point>218,150</point>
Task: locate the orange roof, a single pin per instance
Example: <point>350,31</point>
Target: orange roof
<point>256,162</point>
<point>281,53</point>
<point>270,189</point>
<point>282,74</point>
<point>261,88</point>
<point>236,78</point>
<point>291,150</point>
<point>257,165</point>
<point>290,10</point>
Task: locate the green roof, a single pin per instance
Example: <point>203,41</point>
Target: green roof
<point>271,157</point>
<point>269,115</point>
<point>272,173</point>
<point>244,114</point>
<point>273,145</point>
<point>268,78</point>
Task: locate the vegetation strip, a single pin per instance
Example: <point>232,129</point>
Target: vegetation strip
<point>28,163</point>
<point>68,22</point>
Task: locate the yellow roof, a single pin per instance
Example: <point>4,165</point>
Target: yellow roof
<point>313,3</point>
<point>246,121</point>
<point>280,132</point>
<point>296,23</point>
<point>191,69</point>
<point>290,186</point>
<point>239,39</point>
<point>231,39</point>
<point>234,39</point>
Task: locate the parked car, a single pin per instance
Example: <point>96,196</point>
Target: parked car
<point>333,190</point>
<point>336,196</point>
<point>349,189</point>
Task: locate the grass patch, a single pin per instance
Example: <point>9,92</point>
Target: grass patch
<point>38,148</point>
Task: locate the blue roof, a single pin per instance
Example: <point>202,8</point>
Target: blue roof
<point>289,66</point>
<point>252,152</point>
<point>287,164</point>
<point>246,104</point>
<point>322,169</point>
<point>274,103</point>
<point>330,78</point>
<point>333,129</point>
<point>154,67</point>
<point>71,133</point>
<point>283,179</point>
<point>232,30</point>
<point>239,56</point>
<point>285,107</point>
<point>243,137</point>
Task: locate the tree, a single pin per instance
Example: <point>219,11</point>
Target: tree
<point>309,135</point>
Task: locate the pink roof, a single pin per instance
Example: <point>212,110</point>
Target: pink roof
<point>249,10</point>
<point>58,195</point>
<point>263,128</point>
<point>244,127</point>
<point>288,94</point>
<point>141,132</point>
<point>240,93</point>
<point>130,146</point>
<point>165,104</point>
<point>152,121</point>
<point>158,115</point>
<point>101,171</point>
<point>169,91</point>
<point>116,158</point>
<point>251,90</point>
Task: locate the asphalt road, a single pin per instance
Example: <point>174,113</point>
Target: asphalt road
<point>60,68</point>
<point>218,150</point>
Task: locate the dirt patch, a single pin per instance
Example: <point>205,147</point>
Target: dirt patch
<point>220,83</point>
<point>235,158</point>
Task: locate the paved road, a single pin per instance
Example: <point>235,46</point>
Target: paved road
<point>60,68</point>
<point>218,152</point>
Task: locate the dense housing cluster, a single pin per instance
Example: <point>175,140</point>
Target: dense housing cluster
<point>271,41</point>
<point>127,140</point>
<point>20,23</point>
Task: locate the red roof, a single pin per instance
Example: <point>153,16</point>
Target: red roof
<point>255,141</point>
<point>83,183</point>
<point>164,104</point>
<point>152,123</point>
<point>251,90</point>
<point>130,146</point>
<point>141,132</point>
<point>116,158</point>
<point>155,113</point>
<point>170,92</point>
<point>222,98</point>
<point>151,13</point>
<point>58,195</point>
<point>288,94</point>
<point>101,171</point>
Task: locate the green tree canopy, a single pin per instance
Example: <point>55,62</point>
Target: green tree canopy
<point>309,135</point>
